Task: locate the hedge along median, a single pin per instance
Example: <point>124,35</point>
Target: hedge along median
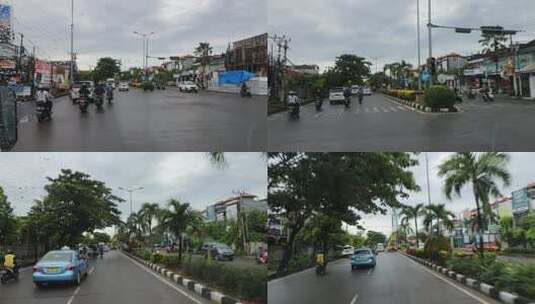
<point>249,285</point>
<point>433,99</point>
<point>494,278</point>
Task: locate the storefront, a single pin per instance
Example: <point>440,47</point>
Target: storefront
<point>527,81</point>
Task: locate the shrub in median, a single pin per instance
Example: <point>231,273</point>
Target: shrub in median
<point>156,258</point>
<point>143,253</point>
<point>437,97</point>
<point>436,249</point>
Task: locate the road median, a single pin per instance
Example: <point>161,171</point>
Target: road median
<point>489,290</point>
<point>190,284</point>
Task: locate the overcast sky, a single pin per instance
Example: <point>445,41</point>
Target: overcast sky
<point>321,30</point>
<point>190,177</point>
<point>521,167</point>
<point>104,27</point>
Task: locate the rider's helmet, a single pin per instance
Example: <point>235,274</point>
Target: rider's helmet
<point>9,251</point>
<point>291,93</point>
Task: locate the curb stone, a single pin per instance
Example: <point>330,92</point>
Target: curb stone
<point>191,285</point>
<point>502,296</point>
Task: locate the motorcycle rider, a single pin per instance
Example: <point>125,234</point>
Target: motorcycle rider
<point>11,262</point>
<point>244,91</point>
<point>109,92</point>
<point>84,92</point>
<point>293,102</point>
<point>321,263</point>
<point>347,94</point>
<point>319,98</point>
<point>45,97</point>
<point>360,94</point>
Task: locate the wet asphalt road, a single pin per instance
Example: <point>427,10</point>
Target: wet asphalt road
<point>395,280</point>
<point>383,125</point>
<point>158,121</point>
<point>115,279</point>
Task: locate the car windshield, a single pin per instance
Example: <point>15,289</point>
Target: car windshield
<point>362,252</point>
<point>57,256</point>
<point>335,90</point>
<point>223,246</point>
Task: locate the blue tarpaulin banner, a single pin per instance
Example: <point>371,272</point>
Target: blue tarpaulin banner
<point>235,77</point>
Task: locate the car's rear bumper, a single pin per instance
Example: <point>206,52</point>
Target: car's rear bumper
<point>363,263</point>
<point>67,276</point>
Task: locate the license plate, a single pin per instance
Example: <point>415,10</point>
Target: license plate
<point>52,270</point>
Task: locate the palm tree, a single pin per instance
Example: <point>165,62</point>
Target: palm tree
<point>410,212</point>
<point>440,214</point>
<point>405,227</point>
<point>481,171</point>
<point>177,219</point>
<point>134,225</point>
<point>203,51</point>
<point>148,212</point>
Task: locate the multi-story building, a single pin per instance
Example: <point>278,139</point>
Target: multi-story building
<point>450,63</point>
<point>249,54</point>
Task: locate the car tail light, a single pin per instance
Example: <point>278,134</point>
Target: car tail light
<point>70,267</point>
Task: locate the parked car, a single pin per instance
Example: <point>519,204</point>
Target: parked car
<point>123,86</point>
<point>60,266</point>
<point>336,95</point>
<point>348,250</point>
<point>188,86</point>
<point>363,257</point>
<point>222,252</point>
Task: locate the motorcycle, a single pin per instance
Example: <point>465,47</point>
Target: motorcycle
<point>487,96</point>
<point>83,104</point>
<point>319,104</point>
<point>320,270</point>
<point>42,112</point>
<point>99,101</point>
<point>7,275</point>
<point>109,96</point>
<point>361,97</point>
<point>347,102</point>
<point>245,93</point>
<point>294,113</point>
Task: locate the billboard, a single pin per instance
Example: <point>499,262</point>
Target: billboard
<point>521,200</point>
<point>5,22</point>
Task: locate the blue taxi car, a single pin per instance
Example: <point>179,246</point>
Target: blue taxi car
<point>363,257</point>
<point>60,266</point>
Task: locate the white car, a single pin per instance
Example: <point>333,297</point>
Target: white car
<point>367,91</point>
<point>123,86</point>
<point>380,247</point>
<point>348,250</point>
<point>188,86</point>
<point>75,90</point>
<point>336,95</point>
<point>355,90</point>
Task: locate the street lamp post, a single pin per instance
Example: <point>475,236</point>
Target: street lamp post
<point>72,43</point>
<point>419,44</point>
<point>146,37</point>
<point>130,191</point>
<point>430,27</point>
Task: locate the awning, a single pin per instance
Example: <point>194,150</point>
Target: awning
<point>528,69</point>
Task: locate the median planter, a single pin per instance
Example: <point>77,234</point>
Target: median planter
<point>435,100</point>
<point>190,284</point>
<point>489,290</point>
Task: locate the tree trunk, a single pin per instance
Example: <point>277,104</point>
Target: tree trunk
<point>287,252</point>
<point>416,231</point>
<point>479,225</point>
<point>180,248</point>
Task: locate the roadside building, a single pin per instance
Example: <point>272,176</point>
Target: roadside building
<point>523,201</point>
<point>250,54</point>
<point>525,69</point>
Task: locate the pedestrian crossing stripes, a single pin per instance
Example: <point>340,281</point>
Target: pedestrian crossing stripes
<point>340,112</point>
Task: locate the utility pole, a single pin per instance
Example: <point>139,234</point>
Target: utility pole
<point>419,44</point>
<point>20,53</point>
<point>430,27</point>
<point>71,73</point>
<point>428,185</point>
<point>130,191</point>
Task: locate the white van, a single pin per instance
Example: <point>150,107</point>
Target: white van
<point>380,247</point>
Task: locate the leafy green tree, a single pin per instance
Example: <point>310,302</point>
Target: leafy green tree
<point>481,172</point>
<point>519,236</point>
<point>441,215</point>
<point>107,67</point>
<point>358,240</point>
<point>204,52</point>
<point>337,185</point>
<point>528,221</point>
<point>412,212</point>
<point>530,237</point>
<point>7,220</point>
<point>256,225</point>
<point>101,237</point>
<point>374,238</point>
<point>348,69</point>
<point>149,212</point>
<point>506,227</point>
<point>378,80</point>
<point>74,204</point>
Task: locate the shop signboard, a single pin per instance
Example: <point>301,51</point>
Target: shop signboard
<point>521,200</point>
<point>7,64</point>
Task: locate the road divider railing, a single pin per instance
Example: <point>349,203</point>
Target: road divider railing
<point>190,284</point>
<point>489,290</point>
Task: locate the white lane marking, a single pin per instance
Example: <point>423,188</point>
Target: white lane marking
<point>480,300</point>
<point>162,280</point>
<point>73,295</point>
<point>354,300</point>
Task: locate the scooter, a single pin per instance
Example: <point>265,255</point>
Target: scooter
<point>109,96</point>
<point>320,270</point>
<point>42,112</point>
<point>487,96</point>
<point>295,112</point>
<point>83,104</point>
<point>347,102</point>
<point>7,275</point>
<point>245,93</point>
